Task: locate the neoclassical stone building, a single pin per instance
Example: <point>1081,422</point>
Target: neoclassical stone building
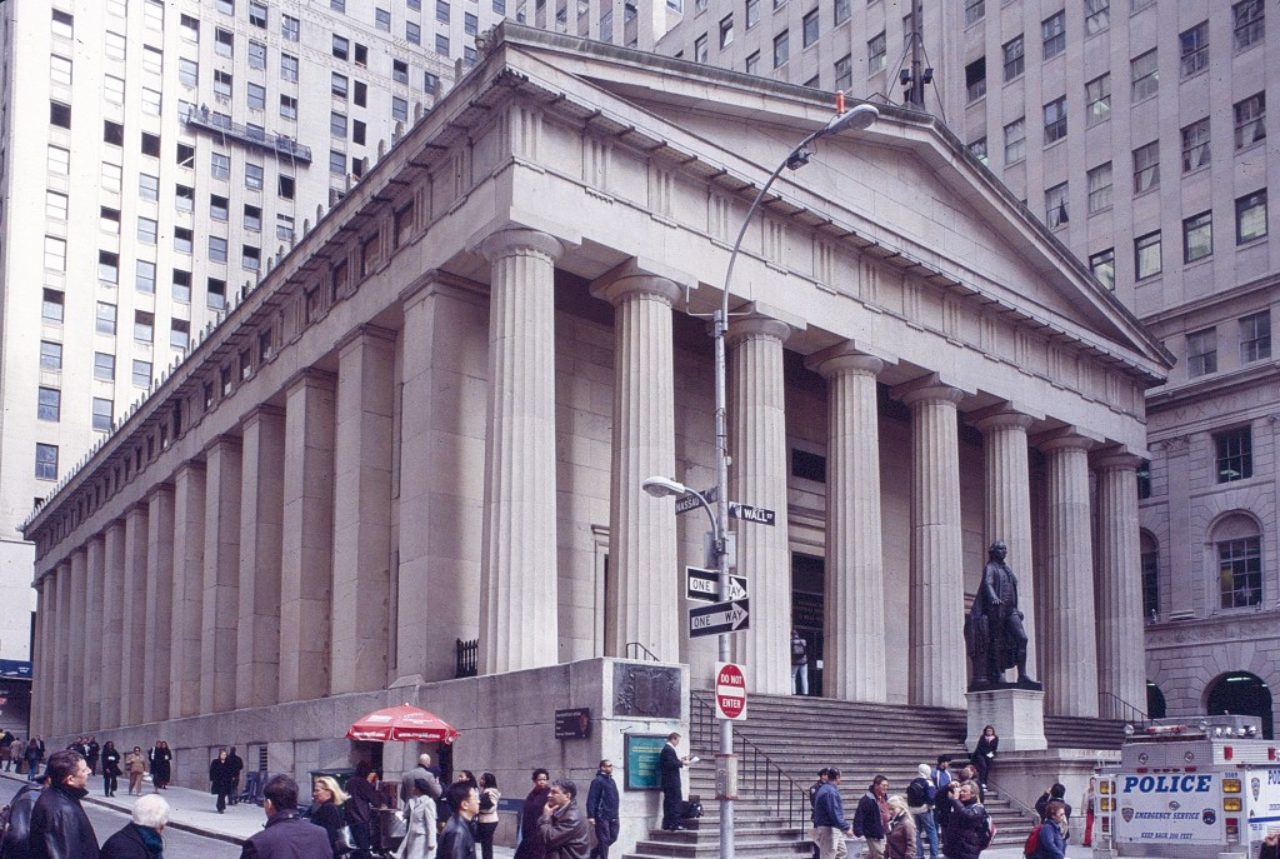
<point>430,420</point>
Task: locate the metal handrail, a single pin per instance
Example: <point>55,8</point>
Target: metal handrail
<point>755,768</point>
<point>1117,708</point>
<point>639,651</point>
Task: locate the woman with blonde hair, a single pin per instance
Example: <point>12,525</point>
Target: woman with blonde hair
<point>901,840</point>
<point>326,810</point>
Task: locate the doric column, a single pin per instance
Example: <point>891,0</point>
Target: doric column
<point>93,681</point>
<point>76,643</point>
<point>645,588</point>
<point>758,477</point>
<point>113,637</point>
<point>518,617</point>
<point>1008,508</point>
<point>362,511</point>
<point>1121,657</point>
<point>188,589</point>
<point>220,604</point>
<point>853,644</point>
<point>48,619</point>
<point>937,654</point>
<point>134,628</point>
<point>60,629</point>
<point>261,521</point>
<point>159,597</point>
<point>306,571</point>
<point>1070,651</point>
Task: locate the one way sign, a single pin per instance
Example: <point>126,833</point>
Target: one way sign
<point>719,617</point>
<point>704,585</point>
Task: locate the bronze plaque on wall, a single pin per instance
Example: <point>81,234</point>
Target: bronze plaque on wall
<point>649,691</point>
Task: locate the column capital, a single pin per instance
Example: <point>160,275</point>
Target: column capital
<point>310,376</point>
<point>509,242</point>
<point>1116,458</point>
<point>360,334</point>
<point>158,489</point>
<point>927,389</point>
<point>260,411</point>
<point>844,359</point>
<point>223,439</point>
<point>425,285</point>
<point>757,326</point>
<point>1067,438</point>
<point>1003,415</point>
<point>190,465</point>
<point>636,284</point>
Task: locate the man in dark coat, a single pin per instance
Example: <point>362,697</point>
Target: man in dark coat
<point>868,820</point>
<point>831,830</point>
<point>140,838</point>
<point>220,781</point>
<point>602,809</point>
<point>458,841</point>
<point>287,835</point>
<point>237,767</point>
<point>15,845</point>
<point>59,827</point>
<point>92,758</point>
<point>968,830</point>
<point>669,765</point>
<point>530,841</point>
<point>564,832</point>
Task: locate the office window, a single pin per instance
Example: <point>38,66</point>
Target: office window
<point>116,46</point>
<point>844,73</point>
<point>144,276</point>
<point>151,102</point>
<point>258,14</point>
<point>59,70</point>
<point>1234,454</point>
<point>876,54</point>
<point>141,375</point>
<point>1146,255</point>
<point>153,12</point>
<point>226,7</point>
<point>50,355</point>
<point>1144,71</point>
<point>700,49</point>
<point>341,47</point>
<point>46,461</point>
<point>442,11</point>
<point>1015,141</point>
<point>186,155</point>
<point>288,67</point>
<point>113,89</point>
<point>337,162</point>
<point>252,218</point>
<point>288,107</point>
<point>1097,16</point>
<point>109,263</point>
<point>1255,337</point>
<point>180,287</point>
<point>357,132</point>
<point>257,55</point>
<point>58,161</point>
<point>182,239</point>
<point>48,404</point>
<point>1250,117</point>
<point>1053,32</point>
<point>250,257</point>
<point>1240,572</point>
<point>63,25</point>
<point>1103,266</point>
<point>223,42</point>
<point>338,5</point>
<point>113,177</point>
<point>188,72</point>
<point>1197,237</point>
<point>842,11</point>
<point>399,108</point>
<point>810,26</point>
<point>285,187</point>
<point>55,253</point>
<point>216,294</point>
<point>222,84</point>
<point>217,249</point>
<point>179,334</point>
<point>290,28</point>
<point>104,366</point>
<point>284,227</point>
<point>147,230</point>
<point>1194,48</point>
<point>1100,188</point>
<point>752,65</point>
<point>1251,216</point>
<point>257,96</point>
<point>1248,23</point>
<point>1195,145</point>
<point>469,55</point>
<point>1055,120</point>
<point>726,31</point>
<point>360,93</point>
<point>103,414</point>
<point>189,29</point>
<point>60,114</point>
<point>1146,167</point>
<point>1014,58</point>
<point>220,166</point>
<point>55,205</point>
<point>382,19</point>
<point>471,24</point>
<point>144,326</point>
<point>1055,206</point>
<point>975,79</point>
<point>974,10</point>
<point>781,48</point>
<point>400,71</point>
<point>413,33</point>
<point>752,16</point>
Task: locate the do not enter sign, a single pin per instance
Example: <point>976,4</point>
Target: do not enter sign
<point>731,691</point>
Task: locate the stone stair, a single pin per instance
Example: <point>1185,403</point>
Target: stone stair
<point>1072,732</point>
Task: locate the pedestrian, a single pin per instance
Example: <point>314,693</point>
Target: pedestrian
<point>487,819</point>
<point>900,843</point>
<point>603,809</point>
<point>286,835</point>
<point>161,760</point>
<point>530,846</point>
<point>420,816</point>
<point>15,844</point>
<point>1270,848</point>
<point>92,758</point>
<point>421,771</point>
<point>111,771</point>
<point>1057,791</point>
<point>564,832</point>
<point>799,664</point>
<point>359,808</point>
<point>1052,841</point>
<point>59,827</point>
<point>140,838</point>
<point>984,754</point>
<point>457,840</point>
<point>6,754</point>
<point>32,756</point>
<point>869,819</point>
<point>135,764</point>
<point>968,827</point>
<point>1090,798</point>
<point>327,799</point>
<point>942,772</point>
<point>831,830</point>
<point>921,795</point>
<point>220,783</point>
<point>669,765</point>
<point>813,799</point>
<point>237,766</point>
<point>942,806</point>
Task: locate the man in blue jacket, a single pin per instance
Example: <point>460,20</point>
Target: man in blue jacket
<point>869,819</point>
<point>830,827</point>
<point>602,809</point>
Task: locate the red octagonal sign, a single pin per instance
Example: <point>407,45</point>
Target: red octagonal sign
<point>731,691</point>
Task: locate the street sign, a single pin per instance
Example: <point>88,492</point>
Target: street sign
<point>704,585</point>
<point>731,691</point>
<point>691,502</point>
<point>719,617</point>
<point>747,513</point>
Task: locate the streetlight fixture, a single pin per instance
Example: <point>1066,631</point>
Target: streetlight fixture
<point>860,117</point>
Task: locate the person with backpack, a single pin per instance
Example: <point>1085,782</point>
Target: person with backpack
<point>968,830</point>
<point>920,798</point>
<point>17,819</point>
<point>1048,840</point>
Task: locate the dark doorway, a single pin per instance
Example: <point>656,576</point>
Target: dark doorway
<point>1156,707</point>
<point>807,574</point>
<point>1242,694</point>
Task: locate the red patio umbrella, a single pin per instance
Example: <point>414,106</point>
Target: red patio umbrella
<point>404,724</point>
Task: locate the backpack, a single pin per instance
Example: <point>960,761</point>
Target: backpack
<point>1033,841</point>
<point>988,829</point>
<point>691,810</point>
<point>917,794</point>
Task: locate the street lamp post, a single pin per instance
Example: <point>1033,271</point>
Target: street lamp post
<point>856,119</point>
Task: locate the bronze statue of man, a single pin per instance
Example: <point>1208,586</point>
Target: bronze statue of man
<point>997,639</point>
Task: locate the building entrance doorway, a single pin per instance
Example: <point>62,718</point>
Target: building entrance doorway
<point>807,573</point>
<point>1241,694</point>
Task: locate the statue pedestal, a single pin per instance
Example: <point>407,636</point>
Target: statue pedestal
<point>1016,714</point>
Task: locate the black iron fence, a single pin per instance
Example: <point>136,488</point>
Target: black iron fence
<point>465,657</point>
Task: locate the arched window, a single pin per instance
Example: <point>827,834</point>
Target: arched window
<point>1150,577</point>
<point>1237,546</point>
<point>1241,694</point>
<point>1156,708</point>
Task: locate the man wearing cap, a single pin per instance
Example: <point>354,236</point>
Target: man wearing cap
<point>920,798</point>
<point>830,827</point>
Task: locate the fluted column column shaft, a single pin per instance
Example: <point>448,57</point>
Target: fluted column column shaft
<point>853,646</point>
<point>40,661</point>
<point>188,589</point>
<point>92,682</point>
<point>1070,653</point>
<point>134,628</point>
<point>759,477</point>
<point>362,511</point>
<point>937,663</point>
<point>1008,508</point>
<point>261,525</point>
<point>519,608</point>
<point>220,579</point>
<point>113,638</point>
<point>1121,656</point>
<point>159,597</point>
<point>306,573</point>
<point>645,595</point>
<point>62,601</point>
<point>76,643</point>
